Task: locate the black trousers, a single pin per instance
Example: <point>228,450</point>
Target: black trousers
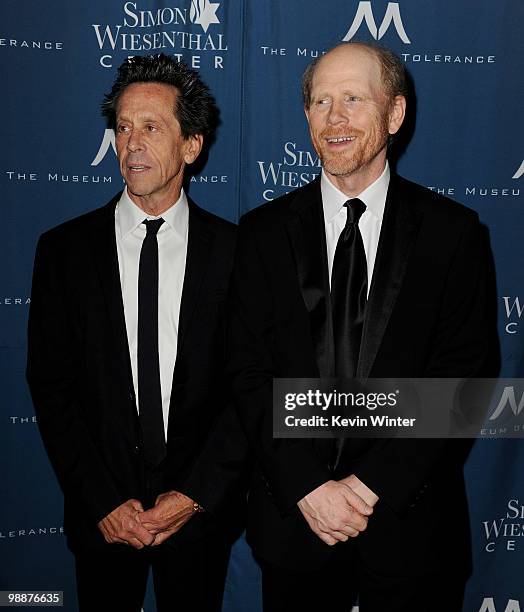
<point>337,586</point>
<point>189,577</point>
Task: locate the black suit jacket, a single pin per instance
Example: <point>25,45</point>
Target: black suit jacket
<point>427,315</point>
<point>80,374</point>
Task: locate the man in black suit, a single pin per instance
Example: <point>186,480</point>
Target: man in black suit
<point>361,273</point>
<point>126,346</point>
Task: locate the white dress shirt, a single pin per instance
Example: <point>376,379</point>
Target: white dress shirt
<point>172,249</point>
<point>335,215</point>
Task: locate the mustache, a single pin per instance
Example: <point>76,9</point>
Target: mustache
<point>339,133</point>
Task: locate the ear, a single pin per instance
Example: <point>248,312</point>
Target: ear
<point>397,112</point>
<point>192,147</point>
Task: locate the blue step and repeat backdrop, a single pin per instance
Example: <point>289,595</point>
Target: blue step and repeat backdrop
<point>57,161</point>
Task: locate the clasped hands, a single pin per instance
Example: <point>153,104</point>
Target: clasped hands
<point>130,524</point>
<point>338,510</point>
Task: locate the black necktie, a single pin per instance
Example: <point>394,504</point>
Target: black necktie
<point>349,282</point>
<point>149,391</point>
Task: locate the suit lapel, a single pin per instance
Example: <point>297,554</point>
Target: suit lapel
<point>200,237</point>
<point>306,231</point>
<point>397,236</point>
<point>106,257</point>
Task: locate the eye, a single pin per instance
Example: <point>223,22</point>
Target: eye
<point>323,101</point>
<point>151,128</point>
<point>353,99</point>
<point>122,128</point>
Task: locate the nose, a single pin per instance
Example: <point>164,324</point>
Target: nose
<point>338,112</point>
<point>134,141</point>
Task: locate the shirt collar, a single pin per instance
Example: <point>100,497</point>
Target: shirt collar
<point>373,196</point>
<point>130,216</point>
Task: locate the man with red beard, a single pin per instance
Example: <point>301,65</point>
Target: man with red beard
<point>357,274</point>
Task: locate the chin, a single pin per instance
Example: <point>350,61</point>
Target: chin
<point>339,167</point>
<point>136,193</point>
<point>137,188</point>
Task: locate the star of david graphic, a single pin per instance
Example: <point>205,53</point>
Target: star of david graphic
<point>203,13</point>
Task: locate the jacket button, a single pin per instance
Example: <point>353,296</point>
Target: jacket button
<point>136,449</point>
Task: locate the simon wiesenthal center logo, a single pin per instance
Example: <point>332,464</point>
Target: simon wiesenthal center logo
<point>513,310</point>
<point>505,532</point>
<point>204,13</point>
<point>295,168</point>
<point>169,30</point>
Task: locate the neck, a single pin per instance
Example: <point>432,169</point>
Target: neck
<point>354,183</point>
<point>155,204</point>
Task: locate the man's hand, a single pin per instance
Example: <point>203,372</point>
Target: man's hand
<point>171,511</point>
<point>358,487</point>
<point>334,512</point>
<point>122,526</point>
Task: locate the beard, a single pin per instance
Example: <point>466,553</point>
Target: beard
<point>365,147</point>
